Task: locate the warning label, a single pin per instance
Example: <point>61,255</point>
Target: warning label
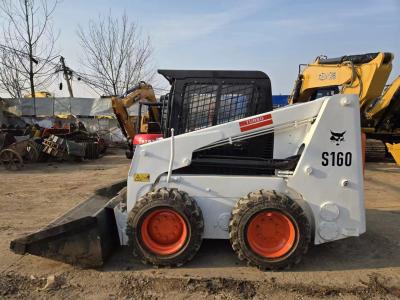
<point>143,177</point>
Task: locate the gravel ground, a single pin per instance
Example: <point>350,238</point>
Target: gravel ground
<point>355,268</point>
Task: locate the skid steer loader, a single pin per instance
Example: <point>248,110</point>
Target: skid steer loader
<point>228,167</point>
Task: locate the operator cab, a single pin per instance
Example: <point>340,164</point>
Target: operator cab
<point>204,98</point>
<point>325,92</point>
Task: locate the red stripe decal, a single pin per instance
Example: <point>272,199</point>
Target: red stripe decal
<point>255,123</point>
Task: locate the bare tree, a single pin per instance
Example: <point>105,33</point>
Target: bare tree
<point>116,54</point>
<point>11,79</point>
<point>30,40</point>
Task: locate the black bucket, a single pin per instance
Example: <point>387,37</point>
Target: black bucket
<point>85,236</point>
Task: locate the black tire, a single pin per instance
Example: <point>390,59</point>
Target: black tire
<point>243,212</point>
<point>92,150</point>
<point>129,154</point>
<point>130,151</point>
<point>179,202</point>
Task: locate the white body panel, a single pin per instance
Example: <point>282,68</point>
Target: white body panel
<point>216,195</point>
<point>332,193</point>
<point>325,184</point>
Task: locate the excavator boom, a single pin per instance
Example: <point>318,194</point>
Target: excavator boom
<point>364,75</point>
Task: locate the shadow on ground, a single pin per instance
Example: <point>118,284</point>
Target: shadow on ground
<point>378,248</point>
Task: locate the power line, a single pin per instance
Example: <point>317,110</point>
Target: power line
<point>22,53</point>
<point>35,59</point>
<point>67,71</point>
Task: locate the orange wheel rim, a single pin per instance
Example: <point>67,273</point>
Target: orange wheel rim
<point>271,234</point>
<point>164,231</point>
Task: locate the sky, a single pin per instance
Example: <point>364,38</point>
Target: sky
<point>273,36</point>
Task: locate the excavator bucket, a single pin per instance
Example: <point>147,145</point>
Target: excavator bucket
<point>394,149</point>
<point>84,236</point>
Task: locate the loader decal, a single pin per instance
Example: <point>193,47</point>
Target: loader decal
<point>337,159</point>
<point>337,137</point>
<point>334,158</point>
<point>256,122</point>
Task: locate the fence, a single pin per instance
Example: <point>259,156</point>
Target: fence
<point>95,113</point>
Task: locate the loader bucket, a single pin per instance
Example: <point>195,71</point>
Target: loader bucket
<point>394,149</point>
<point>84,236</point>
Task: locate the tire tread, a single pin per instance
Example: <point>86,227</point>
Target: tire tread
<point>178,200</point>
<point>268,199</point>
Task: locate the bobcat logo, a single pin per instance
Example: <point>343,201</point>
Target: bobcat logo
<point>337,137</point>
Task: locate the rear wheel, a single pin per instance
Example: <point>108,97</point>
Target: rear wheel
<point>165,228</point>
<point>269,230</point>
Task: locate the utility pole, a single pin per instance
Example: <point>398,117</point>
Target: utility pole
<point>67,75</point>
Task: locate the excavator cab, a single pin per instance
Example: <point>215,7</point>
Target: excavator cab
<point>324,92</point>
<point>147,125</point>
<point>128,123</point>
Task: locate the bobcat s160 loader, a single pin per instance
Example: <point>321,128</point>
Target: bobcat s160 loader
<point>271,182</point>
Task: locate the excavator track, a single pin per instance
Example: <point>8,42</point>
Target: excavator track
<point>375,150</point>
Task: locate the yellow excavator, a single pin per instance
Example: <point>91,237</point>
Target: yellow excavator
<point>141,128</point>
<point>365,75</point>
<point>383,118</point>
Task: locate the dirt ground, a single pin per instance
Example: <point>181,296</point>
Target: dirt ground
<point>355,268</point>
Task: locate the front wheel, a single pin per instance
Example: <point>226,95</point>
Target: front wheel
<point>269,230</point>
<point>165,228</point>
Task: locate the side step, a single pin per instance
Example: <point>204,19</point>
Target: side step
<point>84,236</point>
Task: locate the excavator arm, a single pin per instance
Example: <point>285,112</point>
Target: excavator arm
<point>120,105</point>
<point>384,103</point>
<point>364,75</point>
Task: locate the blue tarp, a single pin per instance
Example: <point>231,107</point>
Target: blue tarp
<point>279,100</point>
